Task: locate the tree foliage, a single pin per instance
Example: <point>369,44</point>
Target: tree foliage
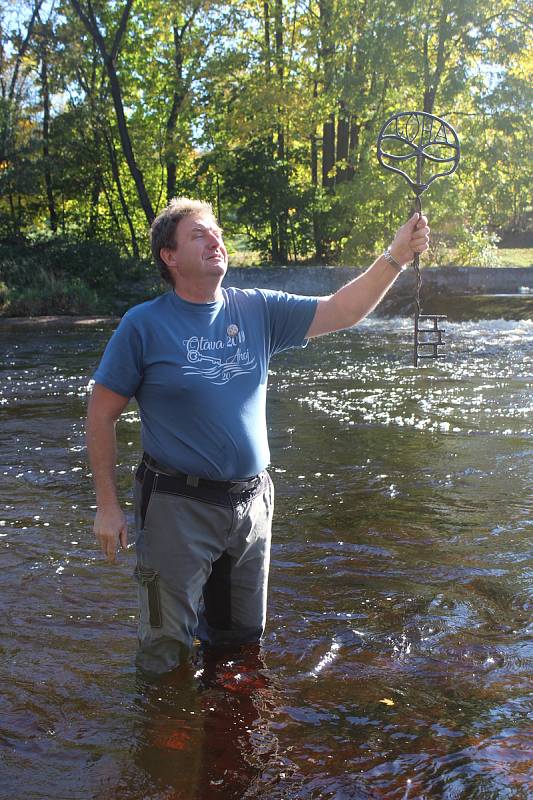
<point>268,108</point>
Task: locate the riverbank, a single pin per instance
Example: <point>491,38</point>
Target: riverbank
<point>462,293</point>
<point>437,282</point>
<point>58,320</point>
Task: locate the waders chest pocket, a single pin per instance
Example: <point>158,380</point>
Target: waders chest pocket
<point>148,577</point>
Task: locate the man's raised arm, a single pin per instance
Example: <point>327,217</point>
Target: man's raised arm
<point>356,299</point>
<point>105,407</point>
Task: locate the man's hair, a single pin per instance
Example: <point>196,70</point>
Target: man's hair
<point>163,228</point>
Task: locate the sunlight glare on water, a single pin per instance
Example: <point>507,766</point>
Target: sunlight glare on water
<point>478,388</point>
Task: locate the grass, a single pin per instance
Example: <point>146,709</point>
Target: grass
<point>516,256</point>
<point>507,257</point>
<point>245,258</point>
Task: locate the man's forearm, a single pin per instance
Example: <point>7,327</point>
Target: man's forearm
<point>359,297</point>
<point>354,300</point>
<point>102,450</point>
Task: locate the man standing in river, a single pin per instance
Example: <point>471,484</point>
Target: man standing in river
<point>196,360</point>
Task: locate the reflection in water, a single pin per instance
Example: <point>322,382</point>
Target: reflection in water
<point>200,729</point>
<point>399,637</point>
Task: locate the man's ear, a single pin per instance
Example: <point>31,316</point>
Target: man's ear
<point>169,256</point>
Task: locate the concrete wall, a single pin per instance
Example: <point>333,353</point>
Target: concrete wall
<point>438,280</point>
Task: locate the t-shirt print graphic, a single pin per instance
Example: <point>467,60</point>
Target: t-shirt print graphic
<point>208,358</point>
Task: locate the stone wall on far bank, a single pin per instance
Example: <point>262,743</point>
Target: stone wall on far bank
<point>435,280</point>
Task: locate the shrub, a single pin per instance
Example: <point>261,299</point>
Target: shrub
<point>64,277</point>
<point>478,248</point>
<point>49,295</point>
<point>99,265</point>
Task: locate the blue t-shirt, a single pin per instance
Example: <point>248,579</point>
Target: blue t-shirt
<point>199,374</point>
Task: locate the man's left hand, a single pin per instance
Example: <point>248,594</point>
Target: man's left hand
<point>411,238</point>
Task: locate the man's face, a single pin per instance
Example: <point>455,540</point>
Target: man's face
<point>200,250</point>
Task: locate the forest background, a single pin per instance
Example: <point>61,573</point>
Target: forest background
<point>269,109</point>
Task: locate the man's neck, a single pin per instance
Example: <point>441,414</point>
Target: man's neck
<point>199,294</point>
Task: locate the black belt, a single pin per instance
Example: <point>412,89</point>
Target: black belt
<point>195,481</point>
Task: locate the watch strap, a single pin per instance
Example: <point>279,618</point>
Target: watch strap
<point>387,255</point>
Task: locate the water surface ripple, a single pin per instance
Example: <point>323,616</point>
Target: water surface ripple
<point>397,661</point>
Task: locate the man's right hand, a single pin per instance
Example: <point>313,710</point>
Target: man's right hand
<point>110,528</point>
<point>105,407</point>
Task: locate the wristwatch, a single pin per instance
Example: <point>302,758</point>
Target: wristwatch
<point>387,255</point>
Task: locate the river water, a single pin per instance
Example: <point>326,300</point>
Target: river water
<point>397,660</point>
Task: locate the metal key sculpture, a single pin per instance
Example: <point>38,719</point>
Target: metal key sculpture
<point>426,138</point>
